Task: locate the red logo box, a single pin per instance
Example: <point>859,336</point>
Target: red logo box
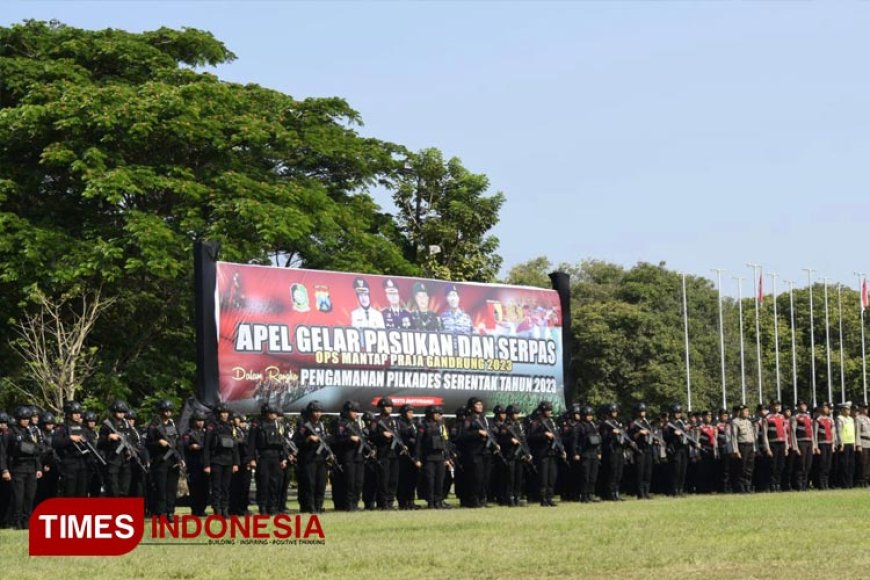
<point>72,526</point>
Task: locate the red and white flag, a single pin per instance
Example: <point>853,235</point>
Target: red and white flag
<point>863,294</point>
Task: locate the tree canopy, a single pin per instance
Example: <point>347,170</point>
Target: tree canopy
<point>117,152</point>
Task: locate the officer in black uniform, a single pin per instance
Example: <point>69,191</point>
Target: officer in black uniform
<point>220,459</point>
<point>266,452</point>
<point>372,469</point>
<point>570,490</point>
<point>314,453</point>
<point>455,433</point>
<point>474,455</point>
<point>164,446</point>
<point>240,484</point>
<point>430,456</point>
<point>512,439</point>
<point>193,446</point>
<point>138,470</point>
<point>641,432</point>
<point>68,440</point>
<point>5,486</point>
<point>546,446</point>
<point>408,469</point>
<point>20,464</point>
<point>46,487</point>
<point>389,445</point>
<point>115,433</point>
<point>95,462</point>
<point>676,438</point>
<point>589,444</point>
<point>613,457</point>
<point>351,449</point>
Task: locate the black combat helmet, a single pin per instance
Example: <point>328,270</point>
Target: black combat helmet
<point>612,408</point>
<point>22,412</point>
<point>512,410</point>
<point>350,406</point>
<point>267,408</point>
<point>405,408</point>
<point>164,405</point>
<point>221,408</point>
<point>385,402</point>
<point>47,418</point>
<point>4,418</point>
<point>197,416</point>
<point>587,410</point>
<point>89,416</point>
<point>314,407</point>
<point>433,409</point>
<point>676,408</point>
<point>639,407</point>
<point>498,410</point>
<point>70,407</point>
<point>119,407</point>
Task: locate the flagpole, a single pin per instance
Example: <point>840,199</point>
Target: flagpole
<point>793,346</point>
<point>742,356</point>
<point>721,335</point>
<point>809,272</point>
<point>773,276</point>
<point>755,282</point>
<point>828,344</point>
<point>842,359</point>
<point>861,282</point>
<point>686,331</point>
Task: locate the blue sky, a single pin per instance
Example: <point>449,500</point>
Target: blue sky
<point>701,134</point>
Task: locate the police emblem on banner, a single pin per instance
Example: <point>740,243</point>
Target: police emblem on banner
<point>322,298</point>
<point>299,295</point>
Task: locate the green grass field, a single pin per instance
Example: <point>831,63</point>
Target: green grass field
<point>761,536</point>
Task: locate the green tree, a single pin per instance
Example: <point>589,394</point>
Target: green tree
<point>116,155</point>
<point>445,218</point>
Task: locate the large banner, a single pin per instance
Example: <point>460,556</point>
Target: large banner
<point>289,336</point>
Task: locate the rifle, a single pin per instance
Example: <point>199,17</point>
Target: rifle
<point>364,448</point>
<point>85,447</point>
<point>557,444</point>
<point>396,440</point>
<point>491,444</point>
<point>324,449</point>
<point>161,428</point>
<point>125,444</point>
<point>684,438</point>
<point>624,440</point>
<point>522,451</point>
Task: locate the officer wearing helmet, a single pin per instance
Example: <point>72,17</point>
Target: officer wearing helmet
<point>115,434</point>
<point>512,439</point>
<point>546,445</point>
<point>676,435</point>
<point>20,465</point>
<point>267,457</point>
<point>589,444</point>
<point>139,471</point>
<point>351,449</point>
<point>220,458</point>
<point>640,430</point>
<point>476,464</point>
<point>5,486</point>
<point>408,468</point>
<point>430,454</point>
<point>193,446</point>
<point>163,442</point>
<point>311,465</point>
<point>240,483</point>
<point>46,487</point>
<point>613,456</point>
<point>372,469</point>
<point>569,426</point>
<point>68,441</point>
<point>389,445</point>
